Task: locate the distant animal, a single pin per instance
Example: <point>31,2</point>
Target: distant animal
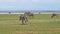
<point>53,15</point>
<point>29,14</point>
<point>39,12</point>
<point>9,12</point>
<point>24,19</point>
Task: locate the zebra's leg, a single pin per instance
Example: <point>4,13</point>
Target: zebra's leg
<point>26,21</point>
<point>22,22</point>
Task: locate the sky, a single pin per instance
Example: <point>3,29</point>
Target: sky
<point>29,4</point>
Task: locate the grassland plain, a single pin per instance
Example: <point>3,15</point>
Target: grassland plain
<point>40,24</point>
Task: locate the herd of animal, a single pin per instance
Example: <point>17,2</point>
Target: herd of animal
<point>24,17</point>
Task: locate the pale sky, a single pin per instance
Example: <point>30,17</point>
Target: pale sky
<point>29,4</point>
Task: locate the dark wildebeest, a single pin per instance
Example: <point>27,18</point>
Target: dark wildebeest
<point>29,14</point>
<point>24,19</point>
<point>53,15</point>
<point>9,12</point>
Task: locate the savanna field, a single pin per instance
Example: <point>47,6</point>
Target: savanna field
<point>40,24</point>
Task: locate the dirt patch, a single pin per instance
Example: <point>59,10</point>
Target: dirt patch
<point>54,30</point>
<point>50,30</point>
<point>26,32</point>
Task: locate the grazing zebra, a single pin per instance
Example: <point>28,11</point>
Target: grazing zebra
<point>24,19</point>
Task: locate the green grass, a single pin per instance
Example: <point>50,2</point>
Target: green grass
<point>40,24</point>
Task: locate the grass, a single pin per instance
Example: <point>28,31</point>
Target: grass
<point>40,24</point>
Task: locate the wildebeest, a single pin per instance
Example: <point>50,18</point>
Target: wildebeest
<point>29,14</point>
<point>53,15</point>
<point>9,12</point>
<point>24,19</point>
